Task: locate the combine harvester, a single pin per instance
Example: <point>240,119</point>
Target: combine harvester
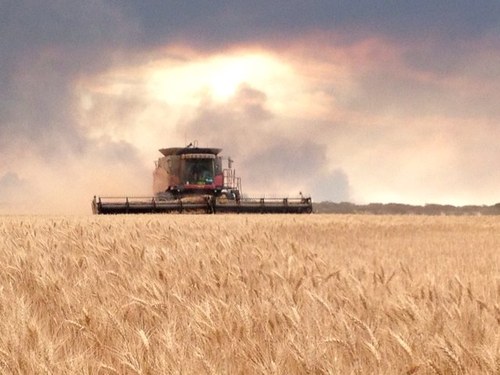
<point>193,179</point>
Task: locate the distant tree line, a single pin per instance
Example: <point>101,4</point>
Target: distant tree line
<point>403,209</point>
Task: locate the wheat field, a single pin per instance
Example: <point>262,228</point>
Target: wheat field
<point>243,294</point>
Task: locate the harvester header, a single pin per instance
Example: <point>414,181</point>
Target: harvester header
<point>197,179</point>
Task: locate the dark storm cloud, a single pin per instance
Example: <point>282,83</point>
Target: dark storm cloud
<point>44,47</point>
<point>225,22</point>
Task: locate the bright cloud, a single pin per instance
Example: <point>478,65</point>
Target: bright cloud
<point>144,105</point>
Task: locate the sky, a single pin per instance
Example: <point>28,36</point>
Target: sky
<point>366,101</point>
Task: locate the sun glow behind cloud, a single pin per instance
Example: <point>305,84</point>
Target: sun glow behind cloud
<point>145,103</point>
<point>218,75</point>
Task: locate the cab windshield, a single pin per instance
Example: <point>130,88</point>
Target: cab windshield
<point>198,171</point>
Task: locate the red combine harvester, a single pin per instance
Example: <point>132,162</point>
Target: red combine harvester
<point>193,179</point>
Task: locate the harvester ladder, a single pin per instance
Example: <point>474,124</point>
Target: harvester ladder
<point>231,181</point>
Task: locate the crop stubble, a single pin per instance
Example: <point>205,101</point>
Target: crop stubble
<point>250,294</point>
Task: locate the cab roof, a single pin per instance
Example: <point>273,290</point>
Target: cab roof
<point>189,150</point>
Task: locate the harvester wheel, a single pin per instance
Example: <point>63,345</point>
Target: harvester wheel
<point>165,196</point>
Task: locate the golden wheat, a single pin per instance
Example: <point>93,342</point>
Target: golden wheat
<point>240,294</point>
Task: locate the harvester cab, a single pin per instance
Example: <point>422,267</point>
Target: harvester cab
<point>193,171</point>
<point>194,179</point>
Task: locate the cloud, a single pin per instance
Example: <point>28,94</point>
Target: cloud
<point>45,47</point>
<point>377,101</point>
<point>222,24</point>
<point>357,117</point>
<point>272,159</point>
